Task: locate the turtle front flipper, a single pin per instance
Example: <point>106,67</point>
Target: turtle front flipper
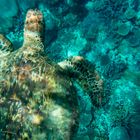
<point>87,77</point>
<point>33,29</point>
<point>5,44</point>
<point>5,49</point>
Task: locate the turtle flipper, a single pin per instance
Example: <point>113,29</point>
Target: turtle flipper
<point>86,75</point>
<point>5,49</point>
<point>33,29</point>
<point>5,44</point>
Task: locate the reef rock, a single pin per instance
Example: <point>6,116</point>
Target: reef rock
<point>119,133</point>
<point>8,9</point>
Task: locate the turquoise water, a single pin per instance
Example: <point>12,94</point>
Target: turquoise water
<point>107,34</point>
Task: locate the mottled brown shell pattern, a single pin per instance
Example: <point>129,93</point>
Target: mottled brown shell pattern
<point>37,98</point>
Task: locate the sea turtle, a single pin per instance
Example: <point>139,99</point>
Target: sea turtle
<point>38,99</point>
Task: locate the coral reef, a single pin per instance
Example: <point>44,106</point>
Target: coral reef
<point>7,13</point>
<point>104,32</point>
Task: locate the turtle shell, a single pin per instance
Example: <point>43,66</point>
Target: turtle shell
<point>37,98</point>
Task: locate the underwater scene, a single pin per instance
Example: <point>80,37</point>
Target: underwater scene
<point>69,69</point>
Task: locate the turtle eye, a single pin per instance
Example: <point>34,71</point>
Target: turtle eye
<point>29,15</point>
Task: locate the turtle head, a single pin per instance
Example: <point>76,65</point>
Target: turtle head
<point>33,28</point>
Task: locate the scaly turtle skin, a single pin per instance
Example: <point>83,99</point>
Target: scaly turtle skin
<point>37,97</point>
